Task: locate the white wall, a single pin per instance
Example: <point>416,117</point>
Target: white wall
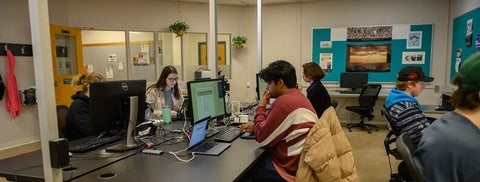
<point>286,35</point>
<point>16,29</point>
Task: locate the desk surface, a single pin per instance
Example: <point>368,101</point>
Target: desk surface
<point>228,166</point>
<point>29,166</point>
<point>133,166</point>
<point>335,93</point>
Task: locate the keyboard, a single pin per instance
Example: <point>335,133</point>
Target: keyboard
<point>349,91</point>
<point>227,134</point>
<point>94,144</point>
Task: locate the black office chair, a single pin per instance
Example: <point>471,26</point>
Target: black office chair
<point>62,111</point>
<point>405,148</point>
<point>334,103</point>
<point>390,144</point>
<point>367,99</point>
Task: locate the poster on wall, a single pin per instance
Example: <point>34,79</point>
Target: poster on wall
<point>326,60</point>
<point>369,33</point>
<point>469,32</point>
<point>458,59</point>
<point>414,40</point>
<point>413,57</point>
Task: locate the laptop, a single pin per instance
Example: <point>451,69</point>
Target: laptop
<point>199,145</point>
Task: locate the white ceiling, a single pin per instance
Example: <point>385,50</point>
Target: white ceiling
<point>245,2</point>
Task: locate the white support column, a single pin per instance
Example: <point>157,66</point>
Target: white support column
<point>212,39</point>
<point>42,59</point>
<point>259,34</point>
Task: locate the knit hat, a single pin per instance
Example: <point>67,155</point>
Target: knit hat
<point>470,73</point>
<point>413,73</point>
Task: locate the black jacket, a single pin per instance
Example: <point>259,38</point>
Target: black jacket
<point>77,121</point>
<point>319,97</point>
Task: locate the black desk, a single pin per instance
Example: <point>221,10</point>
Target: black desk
<point>28,167</point>
<point>229,166</point>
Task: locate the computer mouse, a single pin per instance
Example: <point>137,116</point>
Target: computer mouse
<point>248,135</point>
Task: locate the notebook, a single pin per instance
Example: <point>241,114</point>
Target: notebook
<point>199,145</point>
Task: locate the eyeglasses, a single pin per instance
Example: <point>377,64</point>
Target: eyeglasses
<point>172,79</point>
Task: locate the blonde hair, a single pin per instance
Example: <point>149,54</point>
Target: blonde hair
<point>86,79</point>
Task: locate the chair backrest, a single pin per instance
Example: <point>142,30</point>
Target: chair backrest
<point>62,111</point>
<point>392,125</point>
<point>334,103</point>
<point>369,95</point>
<point>405,148</point>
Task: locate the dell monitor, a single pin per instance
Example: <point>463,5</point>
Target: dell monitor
<point>207,98</point>
<point>353,80</point>
<point>117,105</point>
<point>261,86</point>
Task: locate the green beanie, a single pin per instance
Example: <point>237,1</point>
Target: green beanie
<point>470,73</point>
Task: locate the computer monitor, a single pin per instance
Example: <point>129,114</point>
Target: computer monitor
<point>261,86</point>
<point>117,105</point>
<point>353,80</point>
<point>207,98</point>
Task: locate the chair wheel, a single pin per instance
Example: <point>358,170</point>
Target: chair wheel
<point>350,130</point>
<point>369,132</point>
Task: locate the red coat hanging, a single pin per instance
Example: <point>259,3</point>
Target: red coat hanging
<point>12,98</point>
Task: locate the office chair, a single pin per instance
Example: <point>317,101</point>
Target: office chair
<point>390,143</point>
<point>405,148</point>
<point>367,99</point>
<point>62,111</point>
<point>334,103</point>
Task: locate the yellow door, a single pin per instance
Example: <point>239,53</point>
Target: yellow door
<point>221,53</point>
<point>67,59</point>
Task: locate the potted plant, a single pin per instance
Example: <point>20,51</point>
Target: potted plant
<point>179,27</point>
<point>238,41</point>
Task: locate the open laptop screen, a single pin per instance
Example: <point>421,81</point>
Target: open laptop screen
<point>199,132</point>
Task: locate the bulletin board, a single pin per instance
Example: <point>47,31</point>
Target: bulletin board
<point>332,49</point>
<point>465,38</point>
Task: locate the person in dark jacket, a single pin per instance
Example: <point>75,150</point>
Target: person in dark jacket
<point>316,92</point>
<point>448,150</point>
<point>77,121</point>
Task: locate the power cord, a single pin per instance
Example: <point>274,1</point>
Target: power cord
<point>180,159</point>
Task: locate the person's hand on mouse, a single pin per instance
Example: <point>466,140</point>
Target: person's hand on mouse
<point>246,128</point>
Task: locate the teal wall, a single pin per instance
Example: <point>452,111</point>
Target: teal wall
<point>459,35</point>
<point>339,51</point>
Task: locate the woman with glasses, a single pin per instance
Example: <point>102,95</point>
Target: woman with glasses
<point>165,93</point>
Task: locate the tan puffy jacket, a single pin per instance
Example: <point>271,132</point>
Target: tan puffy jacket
<point>327,154</point>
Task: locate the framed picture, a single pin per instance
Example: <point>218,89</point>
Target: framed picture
<point>368,57</point>
<point>413,57</point>
<point>414,40</point>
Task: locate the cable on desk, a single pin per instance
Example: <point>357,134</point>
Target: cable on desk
<point>180,159</point>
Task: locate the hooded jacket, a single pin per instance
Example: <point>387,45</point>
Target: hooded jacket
<point>77,122</point>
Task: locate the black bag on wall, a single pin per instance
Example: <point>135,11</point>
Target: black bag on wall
<point>2,88</point>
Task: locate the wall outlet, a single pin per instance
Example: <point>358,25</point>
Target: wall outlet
<point>436,89</point>
<point>248,84</point>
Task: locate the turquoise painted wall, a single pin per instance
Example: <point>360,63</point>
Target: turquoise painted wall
<point>339,51</point>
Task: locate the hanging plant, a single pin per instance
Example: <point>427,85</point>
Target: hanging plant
<point>179,28</point>
<point>238,41</point>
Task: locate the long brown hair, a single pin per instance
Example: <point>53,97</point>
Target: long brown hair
<point>161,82</point>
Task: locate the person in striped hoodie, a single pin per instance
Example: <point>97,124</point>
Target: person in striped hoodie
<point>404,108</point>
<point>282,129</point>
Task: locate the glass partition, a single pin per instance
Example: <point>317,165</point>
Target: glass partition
<point>104,52</point>
<point>142,55</point>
